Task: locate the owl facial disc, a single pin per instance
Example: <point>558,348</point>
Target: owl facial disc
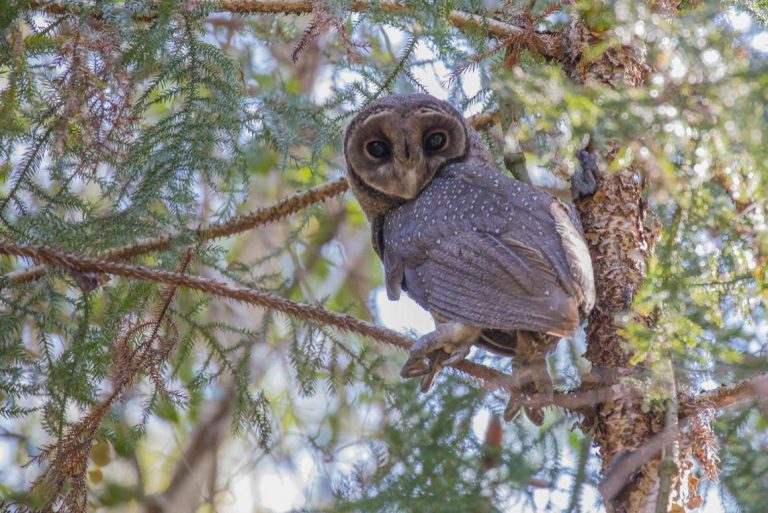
<point>397,147</point>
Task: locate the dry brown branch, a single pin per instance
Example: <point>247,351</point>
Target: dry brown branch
<point>723,397</point>
<point>582,401</point>
<point>625,465</point>
<point>628,464</point>
<point>487,377</point>
<point>550,45</point>
<point>62,484</point>
<point>490,378</point>
<point>260,298</point>
<point>458,18</point>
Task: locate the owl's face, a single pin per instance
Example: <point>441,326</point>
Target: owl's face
<point>397,144</point>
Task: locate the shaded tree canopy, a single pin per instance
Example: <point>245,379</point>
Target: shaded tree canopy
<point>192,317</point>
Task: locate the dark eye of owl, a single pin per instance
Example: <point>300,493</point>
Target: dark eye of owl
<point>435,141</point>
<point>377,149</point>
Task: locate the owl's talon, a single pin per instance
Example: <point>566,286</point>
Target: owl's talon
<point>437,362</point>
<point>457,356</point>
<point>515,404</point>
<point>427,368</point>
<point>428,381</point>
<point>448,344</point>
<point>512,409</point>
<point>535,415</point>
<point>415,367</point>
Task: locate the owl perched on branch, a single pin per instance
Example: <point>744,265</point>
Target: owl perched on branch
<point>497,262</point>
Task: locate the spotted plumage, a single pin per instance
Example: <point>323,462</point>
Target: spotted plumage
<point>496,261</point>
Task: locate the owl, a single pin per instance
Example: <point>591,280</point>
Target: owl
<point>498,263</point>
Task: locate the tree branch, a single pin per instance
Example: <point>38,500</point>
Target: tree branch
<point>343,322</point>
<point>723,397</point>
<point>626,465</point>
<point>550,45</point>
<point>238,224</point>
<point>490,378</point>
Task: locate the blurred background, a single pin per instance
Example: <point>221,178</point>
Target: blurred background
<point>116,128</point>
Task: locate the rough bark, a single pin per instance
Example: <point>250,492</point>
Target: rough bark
<point>620,239</point>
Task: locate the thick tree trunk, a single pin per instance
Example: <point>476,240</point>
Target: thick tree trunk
<point>616,226</point>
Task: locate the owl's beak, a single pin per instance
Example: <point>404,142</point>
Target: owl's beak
<point>409,169</point>
<point>409,175</point>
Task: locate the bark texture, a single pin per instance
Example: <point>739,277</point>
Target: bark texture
<point>621,240</point>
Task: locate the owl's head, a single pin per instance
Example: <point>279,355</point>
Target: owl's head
<point>394,147</point>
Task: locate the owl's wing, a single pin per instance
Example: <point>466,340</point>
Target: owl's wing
<point>491,281</point>
<point>483,250</point>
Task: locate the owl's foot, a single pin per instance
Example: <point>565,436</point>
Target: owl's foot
<point>448,344</point>
<point>535,415</point>
<point>531,380</point>
<point>436,363</point>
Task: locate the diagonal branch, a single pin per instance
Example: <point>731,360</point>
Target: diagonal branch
<point>343,322</point>
<point>723,397</point>
<point>628,464</point>
<point>489,378</point>
<point>283,208</point>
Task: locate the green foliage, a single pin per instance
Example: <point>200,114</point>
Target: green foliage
<point>117,126</point>
<point>427,459</point>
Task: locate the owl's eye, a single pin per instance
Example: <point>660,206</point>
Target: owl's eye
<point>377,149</point>
<point>435,141</point>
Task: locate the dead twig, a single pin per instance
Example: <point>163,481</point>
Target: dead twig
<point>138,349</point>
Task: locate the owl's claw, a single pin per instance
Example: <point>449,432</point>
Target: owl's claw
<point>437,362</point>
<point>415,367</point>
<point>448,344</point>
<point>513,408</point>
<point>457,355</point>
<point>428,368</point>
<point>532,379</point>
<point>515,404</point>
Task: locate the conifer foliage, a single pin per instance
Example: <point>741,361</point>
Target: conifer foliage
<point>190,306</point>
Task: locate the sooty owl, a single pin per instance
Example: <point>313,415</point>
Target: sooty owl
<point>497,262</point>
